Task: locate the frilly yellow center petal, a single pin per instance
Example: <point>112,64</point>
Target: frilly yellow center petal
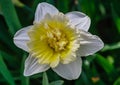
<point>53,41</point>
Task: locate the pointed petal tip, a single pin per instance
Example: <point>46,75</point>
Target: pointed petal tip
<point>33,67</point>
<point>101,43</point>
<point>42,9</point>
<point>74,77</point>
<point>89,44</point>
<point>26,73</point>
<point>21,38</point>
<point>79,20</point>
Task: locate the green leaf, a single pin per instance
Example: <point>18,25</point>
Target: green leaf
<point>105,64</point>
<point>9,58</point>
<point>35,3</point>
<point>10,15</point>
<point>7,39</point>
<point>0,11</point>
<point>50,1</point>
<point>5,72</point>
<point>18,3</point>
<point>116,18</point>
<point>117,82</point>
<point>24,80</point>
<point>59,82</point>
<point>111,47</point>
<point>116,6</point>
<point>45,79</point>
<point>83,80</point>
<point>63,5</point>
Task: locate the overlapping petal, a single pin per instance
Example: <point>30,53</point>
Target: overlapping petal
<point>69,71</point>
<point>89,44</point>
<point>32,66</point>
<point>21,38</point>
<point>79,20</point>
<point>42,10</point>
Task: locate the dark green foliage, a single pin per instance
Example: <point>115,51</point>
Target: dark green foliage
<point>102,68</point>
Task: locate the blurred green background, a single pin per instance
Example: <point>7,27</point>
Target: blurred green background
<point>102,68</point>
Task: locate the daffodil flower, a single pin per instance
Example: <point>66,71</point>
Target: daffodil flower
<point>57,41</point>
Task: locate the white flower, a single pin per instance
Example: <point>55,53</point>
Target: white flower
<point>58,41</point>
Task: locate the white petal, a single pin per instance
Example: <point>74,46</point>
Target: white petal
<point>89,44</point>
<point>79,20</point>
<point>33,67</point>
<point>69,71</point>
<point>43,9</point>
<point>21,38</point>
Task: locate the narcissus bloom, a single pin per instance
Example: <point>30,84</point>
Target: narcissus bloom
<point>57,41</point>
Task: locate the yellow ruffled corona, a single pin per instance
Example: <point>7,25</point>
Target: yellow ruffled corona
<point>53,41</point>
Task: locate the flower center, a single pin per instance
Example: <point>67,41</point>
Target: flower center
<point>57,40</point>
<point>53,41</point>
